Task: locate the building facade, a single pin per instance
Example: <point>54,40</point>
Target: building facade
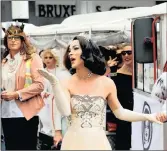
<point>55,11</point>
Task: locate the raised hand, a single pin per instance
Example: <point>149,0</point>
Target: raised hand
<point>112,62</point>
<point>61,95</point>
<point>49,76</point>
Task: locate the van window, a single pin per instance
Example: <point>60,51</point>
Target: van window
<point>144,72</point>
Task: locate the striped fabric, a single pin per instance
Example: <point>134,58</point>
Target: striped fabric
<point>28,78</point>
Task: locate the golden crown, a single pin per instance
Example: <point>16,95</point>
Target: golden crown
<point>14,30</point>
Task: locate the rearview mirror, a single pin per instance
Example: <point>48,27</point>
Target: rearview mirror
<point>143,41</point>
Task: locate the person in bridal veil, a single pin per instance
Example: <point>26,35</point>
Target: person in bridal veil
<point>84,97</point>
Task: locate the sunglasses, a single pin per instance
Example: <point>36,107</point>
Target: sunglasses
<point>128,52</point>
<point>48,57</point>
<point>14,37</point>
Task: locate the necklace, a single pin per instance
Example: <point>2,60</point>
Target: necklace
<point>85,77</point>
<point>12,63</point>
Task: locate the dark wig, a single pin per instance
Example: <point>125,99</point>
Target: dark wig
<point>91,55</point>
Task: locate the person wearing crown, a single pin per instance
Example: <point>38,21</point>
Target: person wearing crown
<point>20,90</point>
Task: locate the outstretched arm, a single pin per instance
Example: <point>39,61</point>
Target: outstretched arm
<point>61,94</point>
<point>124,114</point>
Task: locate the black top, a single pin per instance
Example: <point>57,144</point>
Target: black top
<point>123,84</point>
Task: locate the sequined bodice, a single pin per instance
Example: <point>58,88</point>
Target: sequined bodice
<point>88,111</point>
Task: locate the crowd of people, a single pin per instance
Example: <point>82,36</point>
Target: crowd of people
<point>42,101</point>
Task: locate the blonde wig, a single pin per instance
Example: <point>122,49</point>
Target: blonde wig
<point>53,54</point>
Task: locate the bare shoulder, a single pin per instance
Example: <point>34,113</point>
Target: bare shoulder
<point>108,85</point>
<point>107,81</point>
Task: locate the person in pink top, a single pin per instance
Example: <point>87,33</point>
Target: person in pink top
<point>21,88</point>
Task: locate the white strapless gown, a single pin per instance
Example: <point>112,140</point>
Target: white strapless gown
<point>87,124</point>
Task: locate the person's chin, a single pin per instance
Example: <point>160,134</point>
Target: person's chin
<point>15,48</point>
<point>73,66</point>
<point>128,63</point>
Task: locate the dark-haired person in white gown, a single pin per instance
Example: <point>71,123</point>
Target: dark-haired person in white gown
<point>84,97</point>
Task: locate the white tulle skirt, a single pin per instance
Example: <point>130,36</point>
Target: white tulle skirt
<point>85,139</point>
